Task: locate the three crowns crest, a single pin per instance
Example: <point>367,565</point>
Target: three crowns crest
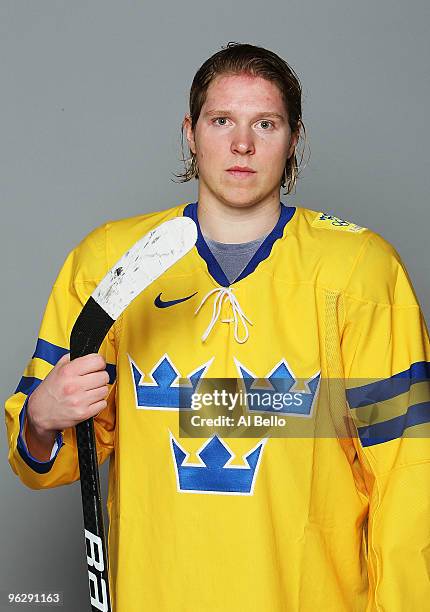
<point>213,474</point>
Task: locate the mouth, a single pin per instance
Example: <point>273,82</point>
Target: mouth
<point>239,172</point>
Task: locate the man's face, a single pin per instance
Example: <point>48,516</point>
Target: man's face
<point>243,123</point>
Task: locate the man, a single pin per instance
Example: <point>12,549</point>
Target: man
<point>334,519</point>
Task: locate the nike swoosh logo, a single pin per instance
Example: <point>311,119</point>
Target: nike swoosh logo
<point>161,304</point>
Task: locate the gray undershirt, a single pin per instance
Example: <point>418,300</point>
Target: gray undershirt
<point>233,258</point>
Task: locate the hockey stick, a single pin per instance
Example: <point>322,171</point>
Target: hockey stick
<point>141,265</point>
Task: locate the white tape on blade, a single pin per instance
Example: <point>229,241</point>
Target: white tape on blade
<point>148,259</point>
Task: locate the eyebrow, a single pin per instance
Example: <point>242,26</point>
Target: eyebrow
<point>223,113</point>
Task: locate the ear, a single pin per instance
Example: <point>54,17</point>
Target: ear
<point>293,143</point>
<point>186,124</point>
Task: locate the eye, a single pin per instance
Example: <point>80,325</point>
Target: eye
<point>223,119</point>
<point>265,123</point>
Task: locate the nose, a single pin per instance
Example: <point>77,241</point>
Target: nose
<point>243,142</point>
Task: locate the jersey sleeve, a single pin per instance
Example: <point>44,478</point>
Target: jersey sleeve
<point>82,270</point>
<point>386,354</point>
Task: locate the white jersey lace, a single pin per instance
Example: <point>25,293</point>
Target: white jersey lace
<point>238,314</point>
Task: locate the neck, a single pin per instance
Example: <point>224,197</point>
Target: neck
<point>230,224</point>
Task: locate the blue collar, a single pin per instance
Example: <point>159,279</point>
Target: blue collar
<point>262,252</point>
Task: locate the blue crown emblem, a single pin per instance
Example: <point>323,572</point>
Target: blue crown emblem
<point>282,382</point>
<point>212,476</point>
<point>164,393</point>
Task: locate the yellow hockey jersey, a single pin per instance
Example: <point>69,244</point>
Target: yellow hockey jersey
<point>299,522</point>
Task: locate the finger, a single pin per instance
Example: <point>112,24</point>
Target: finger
<point>95,395</point>
<point>87,364</point>
<point>94,409</point>
<point>94,380</point>
<point>98,407</point>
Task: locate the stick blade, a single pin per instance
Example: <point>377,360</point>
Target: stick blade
<point>143,263</point>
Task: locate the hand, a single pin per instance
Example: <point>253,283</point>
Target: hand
<point>72,392</point>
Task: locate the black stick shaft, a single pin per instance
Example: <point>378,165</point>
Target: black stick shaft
<point>87,335</point>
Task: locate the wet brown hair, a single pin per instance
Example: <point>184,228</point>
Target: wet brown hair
<point>243,58</point>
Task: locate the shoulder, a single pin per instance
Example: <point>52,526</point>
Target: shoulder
<point>379,275</point>
<point>351,258</point>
